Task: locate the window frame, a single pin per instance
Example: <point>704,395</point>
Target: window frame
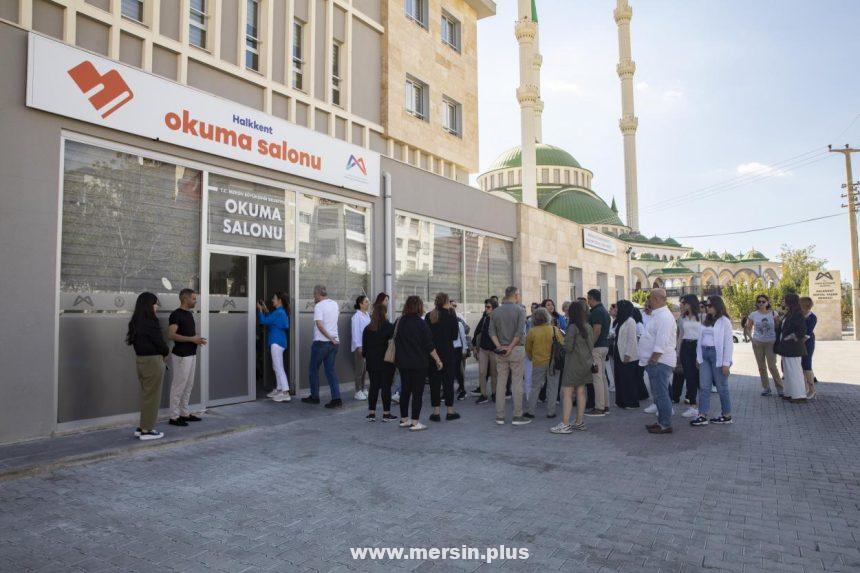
<point>141,5</point>
<point>336,79</point>
<point>202,27</point>
<point>417,11</point>
<point>448,21</point>
<point>252,42</point>
<point>298,45</point>
<point>411,85</point>
<point>451,105</point>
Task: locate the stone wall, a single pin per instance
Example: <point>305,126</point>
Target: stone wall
<point>544,237</point>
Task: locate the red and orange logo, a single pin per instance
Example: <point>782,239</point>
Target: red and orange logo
<point>107,92</point>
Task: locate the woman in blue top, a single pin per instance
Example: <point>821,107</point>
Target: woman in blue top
<point>278,323</point>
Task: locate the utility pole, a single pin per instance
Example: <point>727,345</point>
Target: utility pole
<point>852,226</point>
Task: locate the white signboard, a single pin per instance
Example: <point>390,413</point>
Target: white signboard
<point>825,286</point>
<point>597,242</point>
<point>67,81</point>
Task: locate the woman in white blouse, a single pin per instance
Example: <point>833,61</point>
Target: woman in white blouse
<point>689,329</point>
<point>360,320</point>
<point>714,358</point>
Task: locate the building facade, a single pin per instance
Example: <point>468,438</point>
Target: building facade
<point>238,148</point>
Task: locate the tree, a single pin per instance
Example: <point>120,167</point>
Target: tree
<point>740,297</point>
<point>640,296</point>
<point>847,307</point>
<point>796,266</point>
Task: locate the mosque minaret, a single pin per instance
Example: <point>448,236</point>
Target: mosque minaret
<point>528,95</point>
<point>629,122</point>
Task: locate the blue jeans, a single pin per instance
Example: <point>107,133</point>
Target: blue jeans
<point>710,371</point>
<point>323,352</point>
<point>660,376</point>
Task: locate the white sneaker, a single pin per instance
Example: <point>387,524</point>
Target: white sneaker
<point>273,393</point>
<point>282,397</point>
<point>561,428</point>
<point>395,398</point>
<point>691,413</point>
<point>150,435</point>
<point>417,427</point>
<point>361,395</point>
<point>406,424</point>
<point>714,390</point>
<point>652,409</point>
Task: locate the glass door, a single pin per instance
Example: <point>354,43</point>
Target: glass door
<point>230,328</point>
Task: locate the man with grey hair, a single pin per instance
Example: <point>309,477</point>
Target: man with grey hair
<point>324,348</point>
<point>657,354</point>
<point>507,330</point>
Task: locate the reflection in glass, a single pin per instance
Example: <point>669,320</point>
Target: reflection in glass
<point>130,224</point>
<point>429,259</point>
<point>334,249</point>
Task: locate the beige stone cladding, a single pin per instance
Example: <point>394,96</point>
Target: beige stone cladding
<point>413,50</point>
<point>547,238</point>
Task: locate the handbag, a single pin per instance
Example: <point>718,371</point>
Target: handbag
<point>391,350</point>
<point>557,359</point>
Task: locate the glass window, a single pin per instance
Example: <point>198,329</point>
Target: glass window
<point>132,9</point>
<point>417,11</point>
<point>197,23</point>
<point>556,176</point>
<point>252,215</point>
<point>252,35</point>
<point>603,285</point>
<point>567,177</point>
<point>452,116</point>
<point>575,279</point>
<point>450,30</point>
<point>335,73</point>
<point>298,61</point>
<point>434,262</point>
<point>334,249</point>
<point>544,175</point>
<point>416,98</point>
<point>130,224</point>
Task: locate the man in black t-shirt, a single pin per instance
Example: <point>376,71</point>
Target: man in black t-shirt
<point>183,359</point>
<point>599,320</point>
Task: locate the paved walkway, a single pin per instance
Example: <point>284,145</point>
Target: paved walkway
<point>777,491</point>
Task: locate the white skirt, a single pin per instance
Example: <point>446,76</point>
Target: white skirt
<point>792,372</point>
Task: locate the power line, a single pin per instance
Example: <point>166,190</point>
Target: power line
<point>761,228</point>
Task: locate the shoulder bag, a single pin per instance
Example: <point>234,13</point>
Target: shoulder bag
<point>390,351</point>
<point>557,358</point>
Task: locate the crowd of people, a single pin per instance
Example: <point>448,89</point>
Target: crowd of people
<point>578,357</point>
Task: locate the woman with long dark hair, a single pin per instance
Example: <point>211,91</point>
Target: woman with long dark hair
<point>360,320</point>
<point>277,323</point>
<point>374,343</point>
<point>628,374</point>
<point>714,351</point>
<point>689,327</point>
<point>791,346</point>
<point>144,334</point>
<point>445,330</point>
<point>413,343</point>
<point>762,326</point>
<point>558,320</point>
<point>382,299</point>
<point>578,344</point>
<point>806,363</point>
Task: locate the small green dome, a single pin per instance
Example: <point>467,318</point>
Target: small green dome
<point>754,255</point>
<point>712,256</point>
<point>656,240</point>
<point>677,268</point>
<point>728,257</point>
<point>582,206</point>
<point>647,257</point>
<point>671,242</point>
<point>548,155</point>
<point>693,255</point>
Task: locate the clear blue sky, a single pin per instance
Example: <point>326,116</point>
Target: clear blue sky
<point>723,89</point>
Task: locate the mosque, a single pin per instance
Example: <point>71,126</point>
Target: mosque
<point>549,179</point>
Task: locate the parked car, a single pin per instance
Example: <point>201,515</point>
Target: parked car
<point>737,336</point>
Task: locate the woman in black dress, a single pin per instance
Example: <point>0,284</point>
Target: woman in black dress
<point>445,330</point>
<point>374,343</point>
<point>625,357</point>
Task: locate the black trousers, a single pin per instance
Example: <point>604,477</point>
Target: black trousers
<point>691,373</point>
<point>380,381</point>
<point>412,391</point>
<point>442,381</point>
<point>459,368</point>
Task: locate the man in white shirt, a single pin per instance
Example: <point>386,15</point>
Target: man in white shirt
<point>324,348</point>
<point>657,354</point>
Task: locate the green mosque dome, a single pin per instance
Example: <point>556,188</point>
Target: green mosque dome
<point>693,255</point>
<point>754,255</point>
<point>582,206</point>
<point>548,155</point>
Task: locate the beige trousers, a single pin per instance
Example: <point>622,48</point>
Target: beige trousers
<point>601,385</point>
<point>766,360</point>
<point>515,363</point>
